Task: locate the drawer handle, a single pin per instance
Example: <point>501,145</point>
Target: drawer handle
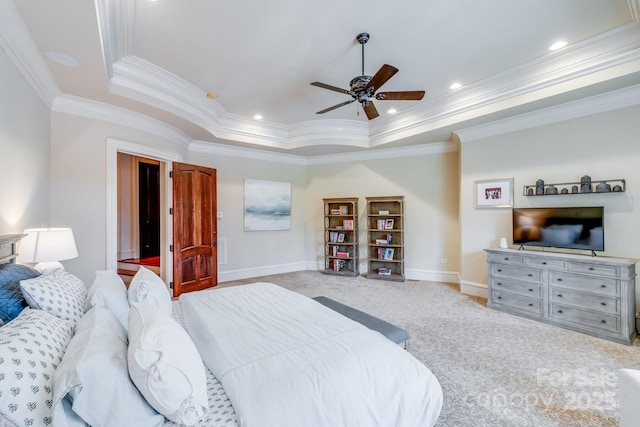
<point>530,290</point>
<point>506,258</point>
<point>603,286</point>
<point>591,268</point>
<point>499,270</point>
<point>530,305</point>
<point>499,283</point>
<point>559,295</point>
<point>544,262</point>
<point>559,311</point>
<point>530,275</point>
<point>603,303</point>
<point>603,321</point>
<point>559,279</point>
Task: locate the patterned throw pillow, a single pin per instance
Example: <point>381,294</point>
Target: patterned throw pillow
<point>31,348</point>
<point>60,293</point>
<point>11,300</point>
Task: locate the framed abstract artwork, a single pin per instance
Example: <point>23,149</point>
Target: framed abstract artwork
<point>267,205</point>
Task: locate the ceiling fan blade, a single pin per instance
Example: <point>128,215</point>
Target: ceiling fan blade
<point>414,95</point>
<point>371,111</point>
<point>334,88</point>
<point>384,73</point>
<point>335,106</point>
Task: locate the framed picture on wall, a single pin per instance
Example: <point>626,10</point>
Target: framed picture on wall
<point>494,193</point>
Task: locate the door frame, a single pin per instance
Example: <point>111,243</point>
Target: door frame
<point>165,158</point>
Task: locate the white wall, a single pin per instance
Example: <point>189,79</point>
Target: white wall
<point>251,253</point>
<point>429,184</point>
<point>79,182</point>
<point>603,146</point>
<point>24,153</point>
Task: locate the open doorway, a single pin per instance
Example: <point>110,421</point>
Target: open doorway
<point>139,214</point>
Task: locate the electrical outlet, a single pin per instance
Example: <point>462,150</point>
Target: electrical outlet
<point>444,261</point>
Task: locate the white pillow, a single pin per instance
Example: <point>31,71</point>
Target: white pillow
<point>147,288</point>
<point>165,365</point>
<point>92,383</point>
<point>60,293</point>
<point>108,290</point>
<point>31,348</point>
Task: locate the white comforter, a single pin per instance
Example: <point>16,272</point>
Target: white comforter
<point>286,360</point>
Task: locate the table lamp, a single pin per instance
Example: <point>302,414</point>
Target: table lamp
<point>47,247</point>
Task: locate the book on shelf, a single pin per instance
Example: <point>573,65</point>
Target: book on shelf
<point>335,211</point>
<point>347,224</point>
<point>339,264</point>
<point>383,271</point>
<point>341,254</point>
<point>383,212</point>
<point>382,242</point>
<point>380,224</point>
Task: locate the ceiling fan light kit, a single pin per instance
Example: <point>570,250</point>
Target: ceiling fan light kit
<point>363,87</point>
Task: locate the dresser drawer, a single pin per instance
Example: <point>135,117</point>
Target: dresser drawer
<point>517,272</point>
<point>598,303</point>
<point>598,285</point>
<point>520,302</point>
<point>600,270</point>
<point>573,315</point>
<point>507,259</point>
<point>523,288</point>
<point>556,264</point>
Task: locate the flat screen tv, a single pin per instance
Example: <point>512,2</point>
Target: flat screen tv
<point>564,227</point>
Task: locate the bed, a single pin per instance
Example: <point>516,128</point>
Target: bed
<point>249,355</point>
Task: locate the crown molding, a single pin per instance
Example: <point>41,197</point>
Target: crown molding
<point>222,150</point>
<point>386,153</point>
<point>83,107</point>
<point>598,59</point>
<point>613,100</point>
<point>577,66</point>
<point>17,42</point>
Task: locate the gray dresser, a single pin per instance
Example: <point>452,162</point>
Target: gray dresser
<point>593,295</point>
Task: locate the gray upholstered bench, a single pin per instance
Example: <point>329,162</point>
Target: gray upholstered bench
<point>394,333</point>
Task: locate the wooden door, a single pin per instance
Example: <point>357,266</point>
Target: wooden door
<point>195,255</point>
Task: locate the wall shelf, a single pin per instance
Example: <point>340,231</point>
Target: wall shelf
<point>571,188</point>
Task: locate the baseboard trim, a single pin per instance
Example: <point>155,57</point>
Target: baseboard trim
<point>247,273</point>
<point>410,274</point>
<point>432,275</point>
<point>473,288</point>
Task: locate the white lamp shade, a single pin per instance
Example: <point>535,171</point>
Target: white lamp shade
<point>47,244</point>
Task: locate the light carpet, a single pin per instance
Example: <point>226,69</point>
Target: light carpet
<point>495,369</point>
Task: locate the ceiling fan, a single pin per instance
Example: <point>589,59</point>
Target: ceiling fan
<point>363,87</point>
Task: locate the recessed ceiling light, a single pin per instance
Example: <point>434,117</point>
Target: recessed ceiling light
<point>392,111</point>
<point>558,45</point>
<point>258,117</point>
<point>455,86</point>
<point>62,59</point>
<point>210,95</point>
